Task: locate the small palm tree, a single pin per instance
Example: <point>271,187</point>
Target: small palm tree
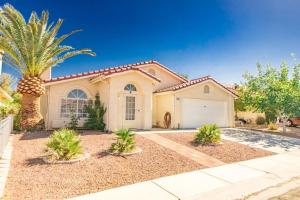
<point>125,141</point>
<point>32,47</point>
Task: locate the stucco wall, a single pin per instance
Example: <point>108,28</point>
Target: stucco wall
<point>166,78</point>
<point>171,102</point>
<point>164,103</point>
<point>59,91</point>
<point>116,99</point>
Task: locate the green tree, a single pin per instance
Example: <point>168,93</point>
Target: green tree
<point>96,113</point>
<point>32,47</point>
<point>274,91</point>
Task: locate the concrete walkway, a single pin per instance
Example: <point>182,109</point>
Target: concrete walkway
<point>4,166</point>
<point>226,182</point>
<point>270,142</point>
<point>183,150</point>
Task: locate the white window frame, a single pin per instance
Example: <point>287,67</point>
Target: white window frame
<point>76,101</point>
<point>130,104</point>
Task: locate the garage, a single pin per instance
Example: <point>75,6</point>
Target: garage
<point>196,112</point>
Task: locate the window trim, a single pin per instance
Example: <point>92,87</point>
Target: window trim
<point>66,98</point>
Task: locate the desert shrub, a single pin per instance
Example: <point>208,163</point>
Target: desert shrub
<point>96,113</point>
<point>64,144</point>
<point>73,124</point>
<point>125,141</point>
<point>260,120</point>
<point>272,126</point>
<point>208,133</point>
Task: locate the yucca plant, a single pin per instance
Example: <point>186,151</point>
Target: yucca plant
<point>64,144</point>
<point>208,133</point>
<point>125,142</point>
<point>32,47</point>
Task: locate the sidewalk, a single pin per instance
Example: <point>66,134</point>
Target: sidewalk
<point>226,182</point>
<point>4,166</point>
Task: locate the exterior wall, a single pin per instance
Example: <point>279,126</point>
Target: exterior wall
<point>215,93</point>
<point>166,78</point>
<point>116,99</point>
<point>51,102</point>
<point>164,103</point>
<point>171,102</point>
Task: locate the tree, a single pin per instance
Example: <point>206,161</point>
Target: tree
<point>274,91</point>
<point>7,82</point>
<point>32,47</point>
<point>96,113</point>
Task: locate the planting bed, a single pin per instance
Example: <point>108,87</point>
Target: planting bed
<point>31,178</point>
<point>227,151</point>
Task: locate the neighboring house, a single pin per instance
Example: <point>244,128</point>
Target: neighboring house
<point>138,96</point>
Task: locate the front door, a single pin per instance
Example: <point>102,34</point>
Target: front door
<point>131,111</point>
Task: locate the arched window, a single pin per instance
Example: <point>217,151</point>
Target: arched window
<point>206,89</point>
<point>74,104</point>
<point>152,72</point>
<point>130,88</point>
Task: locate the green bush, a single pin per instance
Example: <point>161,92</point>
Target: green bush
<point>125,141</point>
<point>96,113</point>
<point>64,144</point>
<point>260,120</point>
<point>208,133</point>
<point>73,124</point>
<point>272,126</point>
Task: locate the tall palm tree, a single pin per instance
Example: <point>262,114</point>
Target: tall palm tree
<point>32,47</point>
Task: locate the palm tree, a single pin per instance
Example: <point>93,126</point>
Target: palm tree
<point>32,47</point>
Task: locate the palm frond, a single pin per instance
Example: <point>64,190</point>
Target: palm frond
<point>33,46</point>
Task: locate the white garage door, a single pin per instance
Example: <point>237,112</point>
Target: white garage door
<point>196,112</point>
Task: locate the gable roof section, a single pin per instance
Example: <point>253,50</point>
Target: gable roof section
<point>193,82</point>
<point>169,70</point>
<point>118,70</point>
<point>113,70</point>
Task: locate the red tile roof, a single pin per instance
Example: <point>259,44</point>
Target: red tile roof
<point>113,70</point>
<point>192,82</point>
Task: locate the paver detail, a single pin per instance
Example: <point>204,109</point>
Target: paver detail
<point>188,152</point>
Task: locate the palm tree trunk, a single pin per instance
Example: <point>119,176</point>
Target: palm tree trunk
<point>31,118</point>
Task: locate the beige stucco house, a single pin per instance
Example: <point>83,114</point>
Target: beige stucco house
<point>139,96</point>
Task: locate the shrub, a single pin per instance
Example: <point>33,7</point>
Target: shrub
<point>208,133</point>
<point>260,120</point>
<point>64,144</point>
<point>125,141</point>
<point>96,113</point>
<point>272,126</point>
<point>73,124</point>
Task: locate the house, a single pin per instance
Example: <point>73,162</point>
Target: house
<point>139,96</point>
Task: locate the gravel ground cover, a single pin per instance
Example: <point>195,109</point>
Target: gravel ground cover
<point>31,178</point>
<point>227,151</point>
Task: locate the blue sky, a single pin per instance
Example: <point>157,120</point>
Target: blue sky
<point>222,38</point>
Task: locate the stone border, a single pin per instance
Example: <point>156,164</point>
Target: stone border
<point>136,151</point>
<point>81,158</point>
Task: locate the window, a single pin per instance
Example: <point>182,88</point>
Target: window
<point>74,103</point>
<point>130,88</point>
<point>152,72</point>
<point>130,108</point>
<point>206,89</point>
